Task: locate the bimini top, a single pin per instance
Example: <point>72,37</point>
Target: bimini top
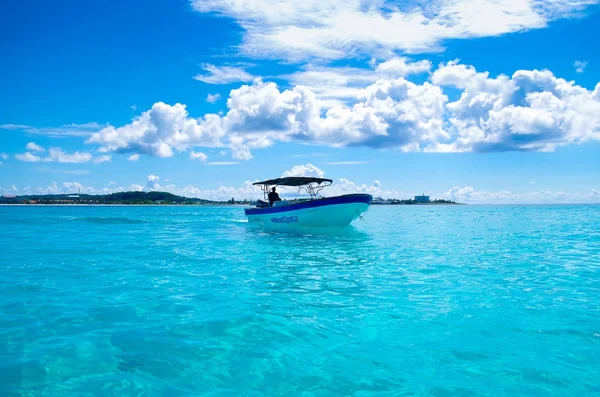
<point>293,181</point>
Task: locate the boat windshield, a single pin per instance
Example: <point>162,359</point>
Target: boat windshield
<point>311,185</point>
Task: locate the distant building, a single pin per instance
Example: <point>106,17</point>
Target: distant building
<point>422,199</point>
<point>381,201</point>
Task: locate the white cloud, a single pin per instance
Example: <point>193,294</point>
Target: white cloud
<point>337,85</point>
<point>152,184</point>
<point>68,130</point>
<point>468,194</point>
<point>34,147</point>
<point>135,188</point>
<point>133,107</point>
<point>212,98</point>
<point>579,66</point>
<point>4,156</point>
<point>223,75</point>
<point>28,157</point>
<point>530,110</point>
<point>198,156</point>
<point>66,188</point>
<point>134,157</point>
<point>246,191</point>
<point>346,186</point>
<point>160,131</point>
<point>102,159</point>
<point>401,67</point>
<point>304,170</point>
<point>56,155</point>
<point>345,28</point>
<point>14,126</point>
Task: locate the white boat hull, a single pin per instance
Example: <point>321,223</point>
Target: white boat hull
<point>335,212</point>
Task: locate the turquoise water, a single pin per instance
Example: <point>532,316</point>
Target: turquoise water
<point>417,301</point>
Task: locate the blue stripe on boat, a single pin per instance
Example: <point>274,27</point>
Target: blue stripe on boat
<point>345,199</point>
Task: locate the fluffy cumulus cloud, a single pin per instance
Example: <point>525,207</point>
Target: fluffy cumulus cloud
<point>341,186</point>
<point>136,188</point>
<point>401,67</point>
<point>58,155</point>
<point>160,131</point>
<point>344,28</point>
<point>198,156</point>
<point>62,188</point>
<point>468,194</point>
<point>34,147</point>
<point>532,110</point>
<point>152,183</point>
<point>134,157</point>
<point>341,85</point>
<point>304,170</point>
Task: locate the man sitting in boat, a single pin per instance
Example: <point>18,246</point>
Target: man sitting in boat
<point>273,196</point>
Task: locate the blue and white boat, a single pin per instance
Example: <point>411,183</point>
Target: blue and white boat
<point>316,211</point>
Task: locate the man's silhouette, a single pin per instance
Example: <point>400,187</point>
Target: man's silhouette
<point>273,196</point>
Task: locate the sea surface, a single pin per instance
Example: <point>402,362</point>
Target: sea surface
<point>194,301</point>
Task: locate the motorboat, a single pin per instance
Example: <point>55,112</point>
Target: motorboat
<point>314,211</point>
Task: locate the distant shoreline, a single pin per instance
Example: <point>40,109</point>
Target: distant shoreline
<point>387,205</point>
<point>124,205</point>
<point>213,204</point>
<point>158,198</point>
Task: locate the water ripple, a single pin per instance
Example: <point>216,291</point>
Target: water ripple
<point>178,301</point>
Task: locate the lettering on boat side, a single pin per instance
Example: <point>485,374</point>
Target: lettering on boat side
<point>285,219</point>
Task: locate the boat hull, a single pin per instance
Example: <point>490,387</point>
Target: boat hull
<point>335,212</point>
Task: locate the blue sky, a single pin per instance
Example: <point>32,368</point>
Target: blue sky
<point>472,100</point>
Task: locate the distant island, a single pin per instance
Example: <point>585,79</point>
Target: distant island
<point>418,200</point>
<point>165,198</point>
<point>415,202</point>
<point>120,198</point>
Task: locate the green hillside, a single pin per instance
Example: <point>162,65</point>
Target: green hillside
<point>114,198</point>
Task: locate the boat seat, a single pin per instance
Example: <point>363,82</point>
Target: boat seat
<point>262,204</point>
<point>280,203</point>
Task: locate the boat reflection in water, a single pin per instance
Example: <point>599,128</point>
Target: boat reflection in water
<point>315,212</point>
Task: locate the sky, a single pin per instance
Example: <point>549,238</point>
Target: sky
<point>479,101</point>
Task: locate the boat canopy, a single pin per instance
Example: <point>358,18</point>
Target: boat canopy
<point>294,181</point>
<point>312,185</point>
